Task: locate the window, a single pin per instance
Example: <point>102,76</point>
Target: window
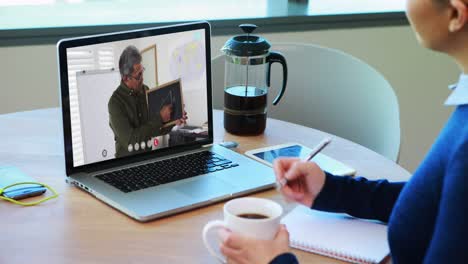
<point>39,14</point>
<point>84,59</point>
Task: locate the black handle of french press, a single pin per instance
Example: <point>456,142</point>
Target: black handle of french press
<point>272,58</point>
<point>248,28</point>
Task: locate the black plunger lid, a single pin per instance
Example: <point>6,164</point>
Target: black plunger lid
<point>246,45</point>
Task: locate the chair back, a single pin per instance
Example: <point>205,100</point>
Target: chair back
<point>331,91</point>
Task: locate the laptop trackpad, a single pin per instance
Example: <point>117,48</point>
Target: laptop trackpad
<point>205,187</point>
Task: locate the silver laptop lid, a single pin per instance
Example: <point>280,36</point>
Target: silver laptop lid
<point>123,94</point>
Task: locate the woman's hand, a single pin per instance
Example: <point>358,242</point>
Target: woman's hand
<point>305,180</point>
<point>245,250</point>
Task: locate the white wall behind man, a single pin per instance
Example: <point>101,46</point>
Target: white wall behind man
<point>419,77</point>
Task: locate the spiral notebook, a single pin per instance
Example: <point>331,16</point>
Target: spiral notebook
<point>337,235</point>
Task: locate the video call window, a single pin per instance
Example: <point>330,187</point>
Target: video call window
<point>116,114</point>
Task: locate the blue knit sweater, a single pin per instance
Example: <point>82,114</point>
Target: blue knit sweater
<point>427,216</point>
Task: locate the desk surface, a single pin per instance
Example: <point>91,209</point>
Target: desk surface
<point>76,228</point>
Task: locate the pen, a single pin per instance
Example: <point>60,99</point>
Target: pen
<point>281,183</point>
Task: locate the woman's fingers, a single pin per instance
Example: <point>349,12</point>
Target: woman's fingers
<point>292,194</point>
<point>233,254</point>
<point>282,235</point>
<point>231,240</point>
<point>282,165</point>
<point>297,171</point>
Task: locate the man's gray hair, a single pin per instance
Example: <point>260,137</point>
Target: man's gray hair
<point>129,57</point>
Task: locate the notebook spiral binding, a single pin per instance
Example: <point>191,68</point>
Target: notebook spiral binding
<point>330,252</point>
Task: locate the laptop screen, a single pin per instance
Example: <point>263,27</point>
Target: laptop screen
<point>132,94</point>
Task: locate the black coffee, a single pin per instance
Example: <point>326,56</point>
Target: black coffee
<point>245,110</point>
<point>253,216</point>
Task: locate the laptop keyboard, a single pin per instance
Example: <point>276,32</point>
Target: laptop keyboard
<point>165,171</point>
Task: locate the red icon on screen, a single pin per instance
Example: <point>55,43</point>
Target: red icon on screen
<point>155,142</point>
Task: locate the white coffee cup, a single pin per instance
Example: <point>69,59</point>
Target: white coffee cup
<point>235,212</point>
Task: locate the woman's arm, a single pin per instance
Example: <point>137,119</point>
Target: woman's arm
<point>358,197</point>
<point>285,258</point>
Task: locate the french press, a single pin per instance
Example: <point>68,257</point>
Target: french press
<point>247,80</point>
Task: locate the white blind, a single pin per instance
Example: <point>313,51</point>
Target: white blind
<point>84,59</point>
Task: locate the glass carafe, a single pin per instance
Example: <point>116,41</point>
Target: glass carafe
<point>247,80</point>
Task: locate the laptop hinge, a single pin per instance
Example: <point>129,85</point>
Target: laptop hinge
<point>207,145</point>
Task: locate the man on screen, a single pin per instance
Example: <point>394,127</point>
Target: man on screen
<point>128,110</point>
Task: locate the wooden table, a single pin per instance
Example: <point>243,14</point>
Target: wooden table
<point>76,228</point>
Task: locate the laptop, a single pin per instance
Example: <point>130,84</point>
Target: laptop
<point>125,159</point>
